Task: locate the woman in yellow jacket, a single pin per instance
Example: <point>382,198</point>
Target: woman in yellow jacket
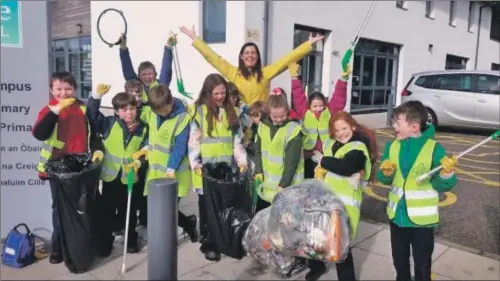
<point>250,77</point>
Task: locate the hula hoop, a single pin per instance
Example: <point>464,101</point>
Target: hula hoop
<point>99,29</point>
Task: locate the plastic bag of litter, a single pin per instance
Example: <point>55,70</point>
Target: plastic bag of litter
<point>307,220</point>
<point>256,244</point>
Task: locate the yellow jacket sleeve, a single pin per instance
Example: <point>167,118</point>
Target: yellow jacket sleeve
<point>223,66</point>
<point>281,65</point>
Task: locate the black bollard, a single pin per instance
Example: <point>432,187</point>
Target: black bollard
<point>390,108</point>
<point>162,229</point>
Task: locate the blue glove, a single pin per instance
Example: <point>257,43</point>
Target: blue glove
<point>199,191</point>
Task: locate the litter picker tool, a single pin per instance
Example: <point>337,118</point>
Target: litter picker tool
<point>350,50</point>
<point>130,186</point>
<point>107,27</point>
<point>492,137</point>
<point>177,68</point>
<point>256,184</point>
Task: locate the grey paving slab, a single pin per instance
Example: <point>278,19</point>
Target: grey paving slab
<point>366,230</point>
<point>462,265</point>
<point>370,266</point>
<point>71,276</point>
<point>41,270</point>
<point>199,274</point>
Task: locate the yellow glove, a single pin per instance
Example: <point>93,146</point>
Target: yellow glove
<point>102,89</point>
<point>170,174</point>
<point>448,165</point>
<point>65,103</point>
<point>346,74</point>
<point>259,177</point>
<point>198,172</point>
<point>139,154</point>
<point>135,165</point>
<point>319,173</point>
<point>293,68</point>
<point>388,168</point>
<point>97,155</point>
<point>243,169</point>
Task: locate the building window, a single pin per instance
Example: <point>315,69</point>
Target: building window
<point>214,21</point>
<point>74,55</point>
<point>429,9</point>
<point>495,24</point>
<point>470,20</point>
<point>455,62</point>
<point>402,5</point>
<point>495,67</point>
<point>374,77</point>
<point>311,67</point>
<point>453,13</point>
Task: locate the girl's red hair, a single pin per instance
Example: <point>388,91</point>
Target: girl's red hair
<point>369,134</point>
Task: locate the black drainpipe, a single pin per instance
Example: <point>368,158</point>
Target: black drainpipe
<point>478,34</point>
<point>266,33</point>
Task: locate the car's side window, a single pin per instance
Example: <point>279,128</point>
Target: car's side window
<point>453,82</point>
<point>425,81</point>
<point>489,84</point>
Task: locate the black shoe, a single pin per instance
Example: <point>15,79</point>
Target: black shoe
<point>191,230</point>
<point>212,256</point>
<point>316,272</point>
<point>55,258</point>
<point>74,270</point>
<point>133,248</point>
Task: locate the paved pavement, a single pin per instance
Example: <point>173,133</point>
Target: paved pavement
<point>371,253</point>
<point>470,213</point>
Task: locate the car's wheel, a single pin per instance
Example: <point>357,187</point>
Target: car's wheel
<point>431,117</point>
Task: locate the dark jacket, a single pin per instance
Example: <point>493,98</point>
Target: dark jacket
<point>293,152</point>
<point>352,162</point>
<point>166,67</point>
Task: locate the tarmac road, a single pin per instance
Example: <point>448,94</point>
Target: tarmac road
<point>470,214</point>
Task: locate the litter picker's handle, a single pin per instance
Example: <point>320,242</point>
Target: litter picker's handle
<point>492,137</point>
<point>130,181</point>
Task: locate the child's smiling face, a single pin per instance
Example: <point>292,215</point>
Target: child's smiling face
<point>147,76</point>
<point>127,113</point>
<point>61,90</point>
<point>343,131</point>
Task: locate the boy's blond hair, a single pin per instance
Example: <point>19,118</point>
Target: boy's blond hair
<point>160,96</point>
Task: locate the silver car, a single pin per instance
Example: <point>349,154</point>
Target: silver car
<point>457,98</point>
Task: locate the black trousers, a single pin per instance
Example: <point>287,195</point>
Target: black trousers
<point>309,167</point>
<point>183,220</point>
<point>345,269</point>
<point>142,201</point>
<point>207,240</point>
<point>421,240</point>
<point>56,225</point>
<point>261,205</point>
<point>114,197</point>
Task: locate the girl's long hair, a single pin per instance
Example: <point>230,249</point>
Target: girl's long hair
<point>257,69</point>
<point>364,131</point>
<point>205,98</point>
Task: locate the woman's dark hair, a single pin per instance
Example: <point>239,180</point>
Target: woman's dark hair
<point>232,91</point>
<point>257,69</point>
<point>205,98</point>
<point>316,96</point>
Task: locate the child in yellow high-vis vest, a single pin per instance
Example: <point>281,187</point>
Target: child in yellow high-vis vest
<point>278,149</point>
<point>413,206</point>
<point>63,128</point>
<point>215,136</point>
<point>123,135</point>
<point>315,110</point>
<point>167,149</point>
<point>344,167</point>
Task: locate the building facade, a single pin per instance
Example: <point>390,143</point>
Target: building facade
<point>401,38</point>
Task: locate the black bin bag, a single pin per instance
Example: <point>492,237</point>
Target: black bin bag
<point>229,204</point>
<point>77,182</point>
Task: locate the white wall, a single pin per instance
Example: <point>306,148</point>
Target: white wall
<point>149,23</point>
<point>390,24</point>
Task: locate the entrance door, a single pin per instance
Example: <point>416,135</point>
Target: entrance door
<point>374,75</point>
